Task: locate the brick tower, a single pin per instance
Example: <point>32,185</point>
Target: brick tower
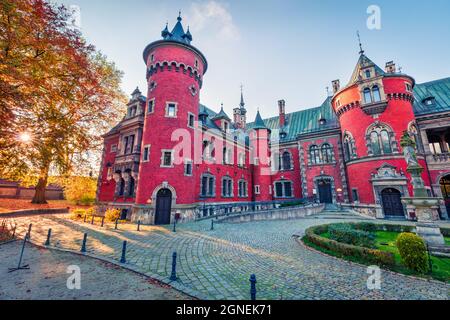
<point>175,71</point>
<point>374,110</point>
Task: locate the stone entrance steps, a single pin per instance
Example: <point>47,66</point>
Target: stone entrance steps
<point>442,251</point>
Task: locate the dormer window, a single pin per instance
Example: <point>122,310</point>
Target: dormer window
<point>131,111</point>
<point>368,75</point>
<point>225,126</point>
<point>367,96</point>
<point>408,87</point>
<point>376,94</point>
<point>430,101</point>
<point>152,58</point>
<point>196,63</point>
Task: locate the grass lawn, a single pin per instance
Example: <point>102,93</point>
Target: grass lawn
<point>7,205</point>
<point>385,241</point>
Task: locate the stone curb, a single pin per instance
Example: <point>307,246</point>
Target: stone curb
<point>300,242</point>
<point>175,285</point>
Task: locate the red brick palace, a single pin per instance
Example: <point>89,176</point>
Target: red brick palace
<point>174,158</point>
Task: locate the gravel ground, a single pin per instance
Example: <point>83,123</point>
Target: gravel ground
<point>47,278</point>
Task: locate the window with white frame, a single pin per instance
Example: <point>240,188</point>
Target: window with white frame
<point>207,188</point>
<point>166,158</point>
<point>146,154</point>
<point>257,189</point>
<point>227,187</point>
<point>283,189</point>
<point>408,87</point>
<point>241,162</point>
<point>242,188</point>
<point>188,167</point>
<point>114,148</point>
<point>171,109</point>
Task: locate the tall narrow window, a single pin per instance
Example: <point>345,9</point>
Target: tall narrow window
<point>167,158</point>
<point>367,96</point>
<point>375,143</point>
<point>146,154</point>
<point>327,153</point>
<point>191,120</point>
<point>367,74</point>
<point>376,94</point>
<point>171,110</point>
<point>314,154</point>
<point>188,168</point>
<point>286,160</point>
<point>151,106</point>
<point>385,142</point>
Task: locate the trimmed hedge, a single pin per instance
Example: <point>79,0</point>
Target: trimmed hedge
<point>348,234</point>
<point>413,251</point>
<point>368,255</point>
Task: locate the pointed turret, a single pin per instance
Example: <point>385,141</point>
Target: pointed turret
<point>259,122</point>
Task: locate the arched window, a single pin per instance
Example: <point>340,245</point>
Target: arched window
<point>314,154</point>
<point>379,140</point>
<point>131,187</point>
<point>122,187</point>
<point>385,142</point>
<point>376,94</point>
<point>367,96</point>
<point>286,161</point>
<point>349,146</point>
<point>327,153</point>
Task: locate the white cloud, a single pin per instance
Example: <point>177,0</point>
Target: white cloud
<point>214,16</point>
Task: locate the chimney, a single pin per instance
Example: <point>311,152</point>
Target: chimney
<point>336,86</point>
<point>390,67</point>
<point>282,111</point>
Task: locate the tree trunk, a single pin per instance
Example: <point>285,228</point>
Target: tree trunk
<point>39,195</point>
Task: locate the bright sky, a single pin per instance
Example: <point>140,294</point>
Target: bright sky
<point>289,49</point>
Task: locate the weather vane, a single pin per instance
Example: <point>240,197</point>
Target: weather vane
<point>361,51</point>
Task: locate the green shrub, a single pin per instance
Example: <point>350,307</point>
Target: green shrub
<point>367,255</point>
<point>77,214</point>
<point>413,252</point>
<point>86,200</point>
<point>112,215</point>
<point>292,204</point>
<point>367,226</point>
<point>347,233</point>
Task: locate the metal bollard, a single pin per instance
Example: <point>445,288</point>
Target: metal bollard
<point>85,217</point>
<point>92,221</point>
<point>49,234</point>
<point>115,227</point>
<point>173,276</point>
<point>139,225</point>
<point>212,224</point>
<point>20,266</point>
<point>253,287</point>
<point>28,235</point>
<point>14,232</point>
<point>103,221</point>
<point>124,251</point>
<point>174,226</point>
<point>83,245</point>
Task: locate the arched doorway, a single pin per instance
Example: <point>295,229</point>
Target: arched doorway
<point>392,203</point>
<point>163,207</point>
<point>445,188</point>
<point>325,193</point>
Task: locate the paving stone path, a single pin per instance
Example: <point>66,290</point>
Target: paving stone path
<point>217,264</point>
<point>47,278</point>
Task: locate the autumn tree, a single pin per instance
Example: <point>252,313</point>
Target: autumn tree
<point>58,95</point>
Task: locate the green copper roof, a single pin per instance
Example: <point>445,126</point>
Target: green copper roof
<point>304,121</point>
<point>259,123</point>
<point>438,91</point>
<point>221,115</point>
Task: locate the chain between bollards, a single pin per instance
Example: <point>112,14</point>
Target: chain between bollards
<point>83,245</point>
<point>124,251</point>
<point>49,234</point>
<point>173,275</point>
<point>253,287</point>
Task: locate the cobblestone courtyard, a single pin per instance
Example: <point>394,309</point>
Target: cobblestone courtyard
<point>217,264</point>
